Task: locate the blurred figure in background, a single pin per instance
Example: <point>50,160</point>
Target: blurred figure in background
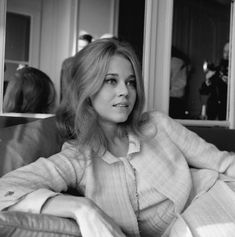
<point>180,68</point>
<point>215,87</point>
<point>84,40</point>
<point>30,91</point>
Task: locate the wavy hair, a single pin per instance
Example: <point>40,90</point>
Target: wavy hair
<point>76,117</point>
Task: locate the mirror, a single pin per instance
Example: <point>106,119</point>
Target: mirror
<point>34,31</point>
<point>199,59</point>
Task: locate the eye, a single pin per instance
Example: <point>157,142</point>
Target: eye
<point>110,81</point>
<point>131,82</point>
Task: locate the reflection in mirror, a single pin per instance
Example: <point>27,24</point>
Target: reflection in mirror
<point>199,63</point>
<point>29,91</point>
<point>17,85</point>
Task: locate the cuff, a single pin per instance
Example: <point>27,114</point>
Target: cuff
<point>33,202</point>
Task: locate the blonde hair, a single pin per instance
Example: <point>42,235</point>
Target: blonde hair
<point>76,116</point>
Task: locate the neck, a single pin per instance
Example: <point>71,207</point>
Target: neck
<point>111,132</point>
<point>117,143</point>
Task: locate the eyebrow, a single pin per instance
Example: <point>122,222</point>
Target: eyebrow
<point>116,74</point>
<point>111,74</point>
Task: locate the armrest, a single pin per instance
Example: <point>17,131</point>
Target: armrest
<point>21,224</point>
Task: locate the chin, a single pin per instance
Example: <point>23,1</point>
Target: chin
<point>121,119</point>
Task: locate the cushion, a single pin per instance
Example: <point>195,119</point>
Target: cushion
<point>24,143</point>
<point>21,224</point>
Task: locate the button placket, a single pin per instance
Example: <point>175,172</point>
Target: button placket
<point>132,185</point>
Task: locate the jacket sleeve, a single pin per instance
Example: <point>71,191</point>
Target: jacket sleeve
<point>56,173</point>
<point>198,153</point>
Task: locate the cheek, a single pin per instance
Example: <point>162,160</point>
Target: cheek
<point>101,98</point>
<point>133,95</point>
<point>95,102</point>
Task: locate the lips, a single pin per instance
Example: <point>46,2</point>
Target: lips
<point>121,105</point>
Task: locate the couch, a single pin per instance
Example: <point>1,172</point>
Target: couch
<point>23,143</point>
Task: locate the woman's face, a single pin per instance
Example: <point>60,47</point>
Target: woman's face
<point>116,98</point>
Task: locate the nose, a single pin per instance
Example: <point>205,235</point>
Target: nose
<point>122,89</point>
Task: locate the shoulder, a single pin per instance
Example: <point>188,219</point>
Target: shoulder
<point>158,117</point>
<point>71,154</point>
<point>168,129</point>
<point>155,121</point>
<point>161,121</point>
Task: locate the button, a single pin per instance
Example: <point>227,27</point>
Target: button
<point>9,193</point>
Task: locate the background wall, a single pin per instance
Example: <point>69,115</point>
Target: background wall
<point>58,36</point>
<point>97,17</point>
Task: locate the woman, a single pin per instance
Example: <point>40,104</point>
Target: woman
<point>30,91</point>
<point>131,168</point>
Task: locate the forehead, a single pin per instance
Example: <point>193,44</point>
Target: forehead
<point>120,63</point>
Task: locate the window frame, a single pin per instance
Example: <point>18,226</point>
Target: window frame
<point>157,45</point>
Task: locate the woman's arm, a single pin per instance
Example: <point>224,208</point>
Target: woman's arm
<point>57,173</point>
<point>197,152</point>
<point>93,222</point>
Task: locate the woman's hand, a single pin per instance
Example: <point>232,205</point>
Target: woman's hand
<point>94,222</point>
